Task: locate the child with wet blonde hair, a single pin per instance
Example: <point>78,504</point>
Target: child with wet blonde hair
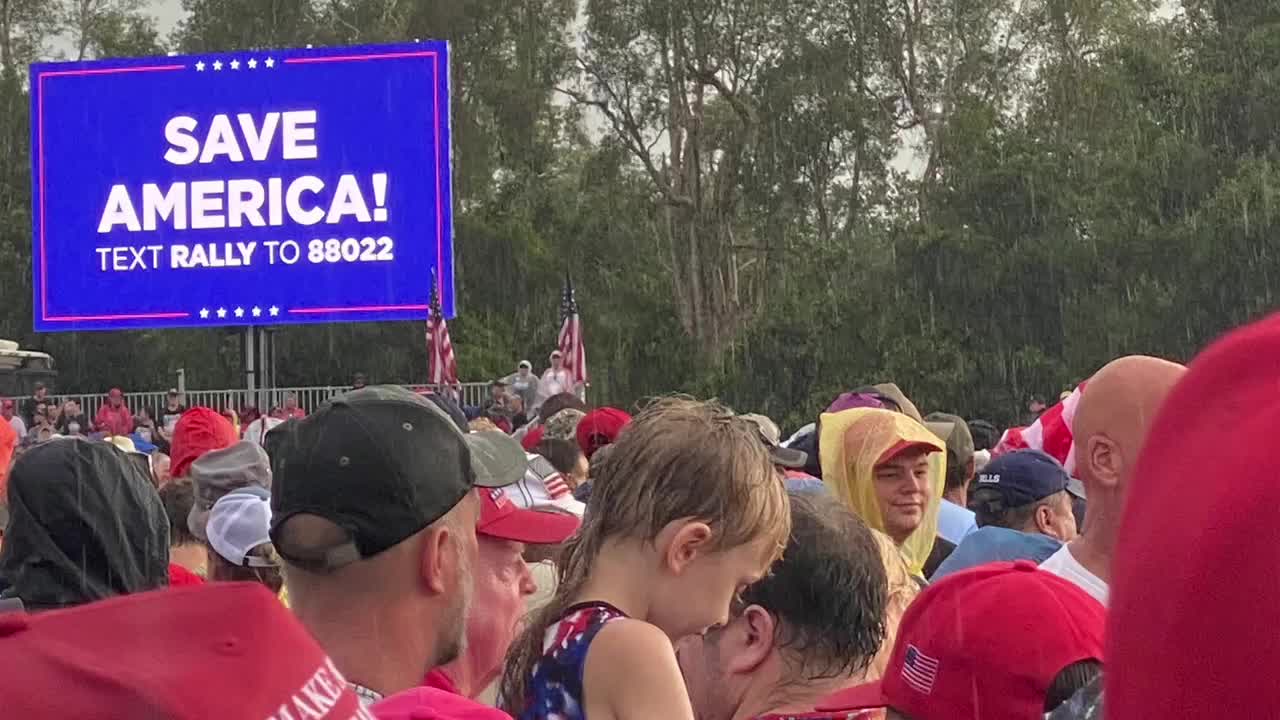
<point>687,513</point>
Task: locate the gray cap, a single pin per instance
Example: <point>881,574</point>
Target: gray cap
<point>496,457</point>
<point>781,455</point>
<point>218,472</point>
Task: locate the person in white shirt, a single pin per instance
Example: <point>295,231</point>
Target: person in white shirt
<point>524,384</point>
<point>1110,426</point>
<point>557,379</point>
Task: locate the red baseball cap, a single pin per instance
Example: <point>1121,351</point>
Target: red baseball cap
<point>984,643</point>
<point>1194,602</point>
<point>532,438</point>
<point>197,432</point>
<point>115,393</point>
<point>223,650</point>
<point>500,518</point>
<point>600,427</point>
<point>905,446</point>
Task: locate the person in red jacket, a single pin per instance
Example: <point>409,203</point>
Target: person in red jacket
<point>8,443</point>
<point>291,409</point>
<point>114,417</point>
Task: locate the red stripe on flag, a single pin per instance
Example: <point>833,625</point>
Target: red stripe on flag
<point>574,349</point>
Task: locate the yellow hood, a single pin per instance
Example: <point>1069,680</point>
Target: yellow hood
<point>852,443</point>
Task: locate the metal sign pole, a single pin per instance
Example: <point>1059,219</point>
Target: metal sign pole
<point>250,360</point>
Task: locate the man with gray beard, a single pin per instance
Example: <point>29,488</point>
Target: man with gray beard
<point>374,515</point>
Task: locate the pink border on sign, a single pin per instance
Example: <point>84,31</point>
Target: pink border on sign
<point>435,108</point>
<point>44,285</point>
<point>359,308</point>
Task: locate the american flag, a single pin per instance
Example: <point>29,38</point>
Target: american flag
<point>919,670</point>
<point>571,344</point>
<point>442,366</point>
<point>1051,433</point>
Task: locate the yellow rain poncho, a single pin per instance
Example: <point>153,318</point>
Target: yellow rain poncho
<point>852,444</point>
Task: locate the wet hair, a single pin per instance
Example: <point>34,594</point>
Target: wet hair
<point>679,458</point>
<point>828,591</point>
<point>562,454</point>
<point>556,403</point>
<point>598,461</point>
<point>178,496</point>
<point>1069,681</point>
<point>220,570</point>
<point>988,506</point>
<point>901,589</point>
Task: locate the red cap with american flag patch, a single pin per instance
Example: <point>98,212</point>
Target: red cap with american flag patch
<point>984,643</point>
<point>500,518</point>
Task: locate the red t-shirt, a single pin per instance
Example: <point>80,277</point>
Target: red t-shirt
<point>827,715</point>
<point>438,700</point>
<point>180,576</point>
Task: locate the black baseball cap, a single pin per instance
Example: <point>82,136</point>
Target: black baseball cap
<point>1023,477</point>
<point>381,463</point>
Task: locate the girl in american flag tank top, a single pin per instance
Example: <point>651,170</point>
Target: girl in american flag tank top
<point>687,512</point>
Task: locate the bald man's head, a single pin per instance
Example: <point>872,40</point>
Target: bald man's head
<point>1118,407</point>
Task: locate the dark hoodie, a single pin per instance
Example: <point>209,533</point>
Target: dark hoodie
<point>85,524</point>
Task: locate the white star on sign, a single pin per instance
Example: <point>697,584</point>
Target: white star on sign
<point>257,311</point>
<point>217,64</point>
<point>252,63</point>
<point>239,312</point>
<point>235,64</point>
<point>204,313</point>
<point>269,62</point>
<point>274,311</point>
<point>222,312</point>
<point>200,66</point>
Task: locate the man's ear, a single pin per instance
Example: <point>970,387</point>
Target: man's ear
<point>1042,518</point>
<point>1105,460</point>
<point>752,635</point>
<point>434,559</point>
<point>688,539</point>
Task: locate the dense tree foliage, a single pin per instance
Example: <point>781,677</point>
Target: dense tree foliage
<point>774,200</point>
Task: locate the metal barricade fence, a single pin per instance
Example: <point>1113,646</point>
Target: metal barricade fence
<point>309,398</point>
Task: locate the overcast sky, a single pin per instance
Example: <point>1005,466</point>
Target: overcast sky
<point>167,13</point>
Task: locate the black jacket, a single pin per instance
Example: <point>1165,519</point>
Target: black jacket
<point>85,523</point>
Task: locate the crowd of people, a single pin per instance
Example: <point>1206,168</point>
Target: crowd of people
<point>41,417</point>
<point>395,555</point>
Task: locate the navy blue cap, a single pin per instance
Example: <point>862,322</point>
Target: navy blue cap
<point>1023,477</point>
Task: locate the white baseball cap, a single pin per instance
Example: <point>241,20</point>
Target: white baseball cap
<point>238,523</point>
<point>543,488</point>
